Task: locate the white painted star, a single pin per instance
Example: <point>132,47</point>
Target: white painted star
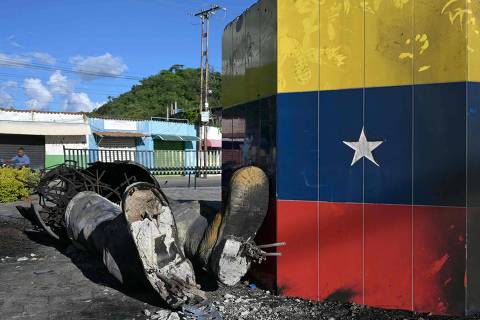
<point>363,148</point>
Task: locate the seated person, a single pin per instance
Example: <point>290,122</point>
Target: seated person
<point>20,160</point>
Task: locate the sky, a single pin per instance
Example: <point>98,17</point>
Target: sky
<point>68,55</point>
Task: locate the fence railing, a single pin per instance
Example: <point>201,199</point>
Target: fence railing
<point>161,162</point>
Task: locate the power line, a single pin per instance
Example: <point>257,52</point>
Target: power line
<point>16,63</point>
<point>62,62</point>
<point>74,88</point>
<point>76,91</point>
<point>10,76</point>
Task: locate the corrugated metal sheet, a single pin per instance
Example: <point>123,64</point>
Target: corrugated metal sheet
<point>119,134</point>
<point>117,143</point>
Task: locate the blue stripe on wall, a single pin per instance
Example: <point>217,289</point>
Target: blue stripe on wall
<point>297,146</point>
<point>440,144</point>
<point>340,120</point>
<point>388,118</point>
<point>434,114</point>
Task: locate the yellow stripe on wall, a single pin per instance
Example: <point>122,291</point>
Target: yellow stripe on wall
<point>388,43</point>
<point>298,45</point>
<point>375,43</point>
<point>310,45</point>
<point>473,48</point>
<point>440,41</point>
<point>341,44</point>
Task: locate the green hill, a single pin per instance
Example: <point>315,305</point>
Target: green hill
<point>155,94</point>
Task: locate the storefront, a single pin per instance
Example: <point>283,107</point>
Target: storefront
<point>173,143</point>
<point>43,135</point>
<point>115,139</point>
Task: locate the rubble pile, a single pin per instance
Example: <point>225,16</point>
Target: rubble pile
<point>161,315</point>
<point>244,303</point>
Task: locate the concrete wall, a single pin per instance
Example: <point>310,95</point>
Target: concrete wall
<point>103,125</point>
<point>54,147</point>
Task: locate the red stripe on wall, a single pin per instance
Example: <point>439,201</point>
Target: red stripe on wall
<point>388,256</point>
<point>341,251</point>
<point>327,263</point>
<point>439,259</point>
<point>297,268</point>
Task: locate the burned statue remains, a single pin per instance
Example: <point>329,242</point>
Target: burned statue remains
<point>118,212</point>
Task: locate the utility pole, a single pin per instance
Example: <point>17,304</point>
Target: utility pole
<point>204,15</point>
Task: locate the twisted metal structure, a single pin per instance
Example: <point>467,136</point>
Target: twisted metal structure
<point>58,187</point>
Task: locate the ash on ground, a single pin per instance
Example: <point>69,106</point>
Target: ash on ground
<point>245,303</point>
<point>242,302</point>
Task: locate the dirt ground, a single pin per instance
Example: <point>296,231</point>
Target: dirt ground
<point>42,280</point>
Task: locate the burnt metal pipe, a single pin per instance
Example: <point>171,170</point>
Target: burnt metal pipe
<point>137,242</point>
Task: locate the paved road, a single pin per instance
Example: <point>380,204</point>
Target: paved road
<point>42,280</point>
<point>179,181</point>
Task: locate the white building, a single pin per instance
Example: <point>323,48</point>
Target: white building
<point>42,134</point>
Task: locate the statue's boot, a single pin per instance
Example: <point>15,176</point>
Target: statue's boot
<point>216,240</point>
<point>138,241</point>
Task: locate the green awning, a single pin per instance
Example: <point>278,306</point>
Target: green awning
<point>170,137</point>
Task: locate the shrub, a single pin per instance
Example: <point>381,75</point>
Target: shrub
<point>12,185</point>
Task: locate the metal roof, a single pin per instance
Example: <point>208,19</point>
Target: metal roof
<point>119,134</point>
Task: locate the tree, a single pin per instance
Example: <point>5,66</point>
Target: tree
<point>153,95</point>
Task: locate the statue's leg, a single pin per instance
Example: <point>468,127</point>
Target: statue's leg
<point>97,225</point>
<point>138,242</point>
<point>153,228</point>
<point>222,247</point>
<point>245,211</point>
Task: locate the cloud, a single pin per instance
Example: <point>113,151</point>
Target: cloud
<point>38,94</point>
<point>6,99</point>
<point>15,44</point>
<point>97,66</point>
<point>59,84</point>
<point>8,84</point>
<point>12,42</point>
<point>44,57</point>
<point>13,60</point>
<point>80,101</point>
<point>19,61</point>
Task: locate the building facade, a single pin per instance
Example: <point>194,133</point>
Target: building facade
<point>47,136</point>
<point>174,144</point>
<point>42,134</point>
<point>125,137</point>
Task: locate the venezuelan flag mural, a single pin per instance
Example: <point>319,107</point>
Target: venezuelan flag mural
<point>366,117</point>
